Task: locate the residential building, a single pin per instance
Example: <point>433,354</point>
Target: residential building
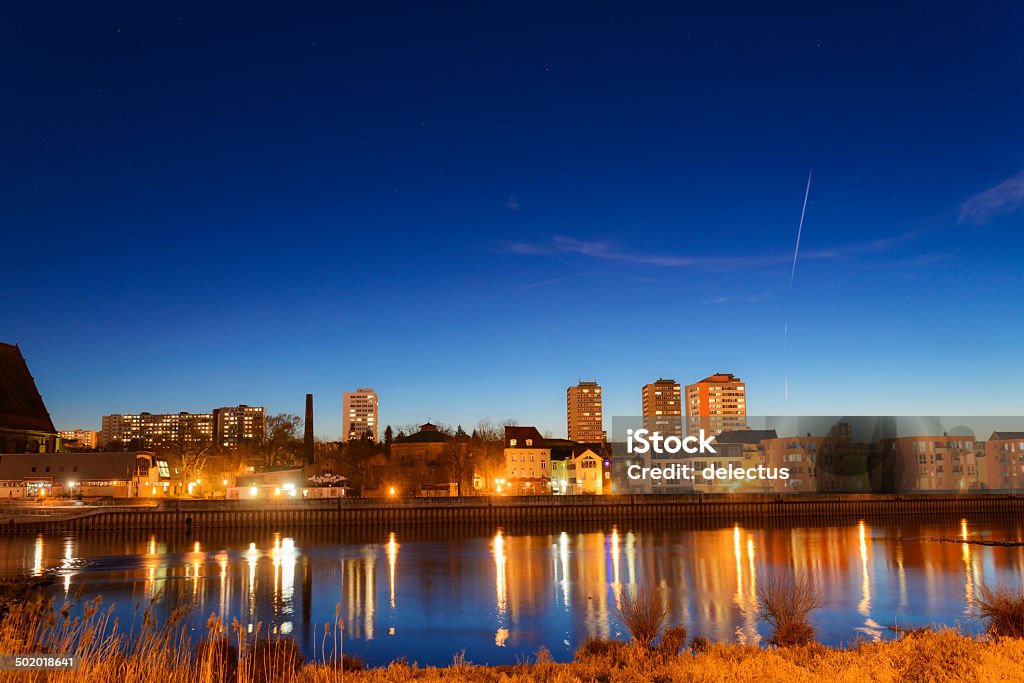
<point>359,415</point>
<point>1004,461</point>
<point>25,424</point>
<point>527,462</point>
<point>715,404</point>
<point>584,414</point>
<point>578,467</point>
<point>587,472</point>
<point>158,430</point>
<point>828,463</point>
<point>662,407</point>
<point>235,425</point>
<point>118,475</point>
<point>930,463</point>
<point>741,448</point>
<point>79,439</point>
<point>426,460</point>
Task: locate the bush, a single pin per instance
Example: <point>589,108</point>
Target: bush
<point>643,613</point>
<point>700,644</point>
<point>673,641</point>
<point>595,648</point>
<point>1003,609</point>
<point>785,603</point>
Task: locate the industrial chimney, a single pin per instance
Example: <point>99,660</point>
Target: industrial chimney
<point>308,445</point>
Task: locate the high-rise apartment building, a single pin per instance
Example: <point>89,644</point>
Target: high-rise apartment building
<point>716,403</point>
<point>158,430</point>
<point>80,438</point>
<point>359,415</point>
<point>234,425</point>
<point>662,407</point>
<point>584,414</point>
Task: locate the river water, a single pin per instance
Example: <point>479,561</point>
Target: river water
<point>427,593</point>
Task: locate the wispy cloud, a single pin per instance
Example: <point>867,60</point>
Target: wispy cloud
<point>512,203</point>
<point>608,251</point>
<point>1006,197</point>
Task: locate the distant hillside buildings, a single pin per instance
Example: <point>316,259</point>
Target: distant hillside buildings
<point>359,417</point>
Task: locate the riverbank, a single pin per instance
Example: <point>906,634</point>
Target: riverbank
<point>923,656</point>
<point>205,514</point>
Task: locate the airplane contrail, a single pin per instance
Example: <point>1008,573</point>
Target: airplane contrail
<point>800,230</point>
<point>792,273</point>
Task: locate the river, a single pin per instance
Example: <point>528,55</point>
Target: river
<point>427,593</point>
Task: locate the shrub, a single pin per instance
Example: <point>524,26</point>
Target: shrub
<point>673,641</point>
<point>597,648</point>
<point>700,644</point>
<point>643,613</point>
<point>1003,609</point>
<point>785,603</point>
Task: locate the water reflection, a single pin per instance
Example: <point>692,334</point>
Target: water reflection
<point>553,587</point>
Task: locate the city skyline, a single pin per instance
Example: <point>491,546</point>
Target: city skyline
<point>470,209</point>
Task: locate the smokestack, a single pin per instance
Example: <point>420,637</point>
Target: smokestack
<point>308,449</point>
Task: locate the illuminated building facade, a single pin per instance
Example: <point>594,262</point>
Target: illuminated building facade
<point>662,407</point>
<point>80,438</point>
<point>235,425</point>
<point>527,461</point>
<point>584,413</point>
<point>1004,461</point>
<point>931,463</point>
<point>158,430</point>
<point>717,403</point>
<point>359,417</point>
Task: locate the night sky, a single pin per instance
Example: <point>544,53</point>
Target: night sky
<point>470,206</point>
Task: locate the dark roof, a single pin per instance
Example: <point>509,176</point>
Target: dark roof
<point>428,434</point>
<point>719,378</point>
<point>21,406</point>
<point>91,466</point>
<point>746,436</point>
<point>1001,436</point>
<point>521,435</point>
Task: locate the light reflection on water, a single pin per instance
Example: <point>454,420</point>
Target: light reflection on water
<point>426,593</point>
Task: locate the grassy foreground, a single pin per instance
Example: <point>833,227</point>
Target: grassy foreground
<point>163,650</point>
<point>923,656</point>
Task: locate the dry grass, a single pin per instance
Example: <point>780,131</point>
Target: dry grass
<point>785,602</point>
<point>1003,609</point>
<point>643,612</point>
<point>152,650</point>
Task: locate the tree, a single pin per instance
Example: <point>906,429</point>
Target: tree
<point>389,436</point>
<point>459,460</point>
<point>282,443</point>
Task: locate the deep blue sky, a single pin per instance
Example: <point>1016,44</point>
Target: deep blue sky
<point>470,206</point>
